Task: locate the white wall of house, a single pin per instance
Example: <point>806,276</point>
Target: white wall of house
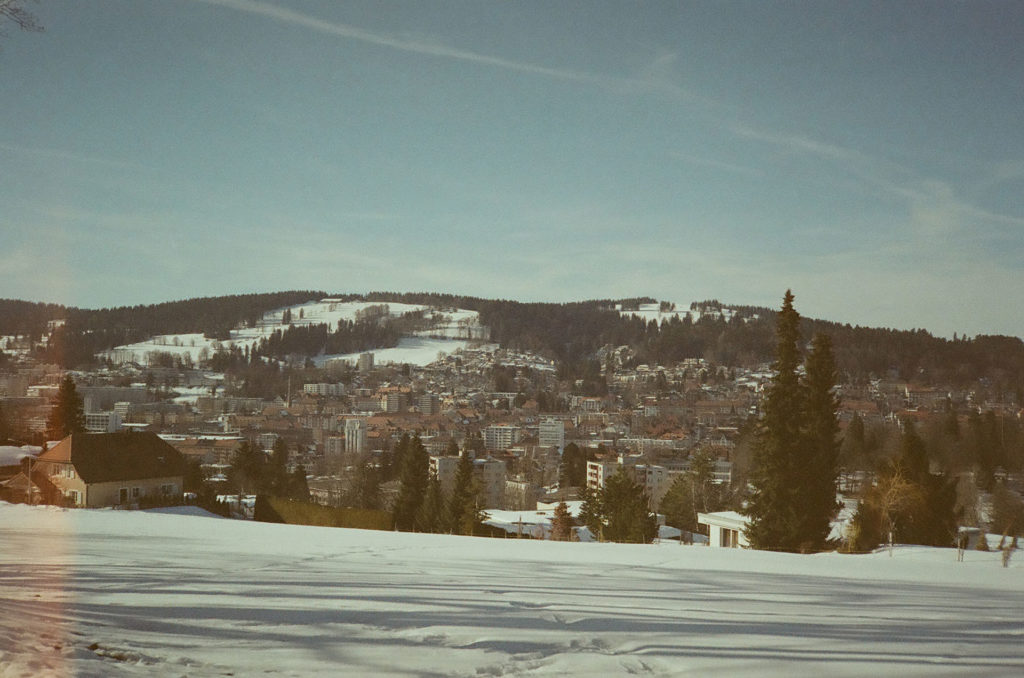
<point>725,528</point>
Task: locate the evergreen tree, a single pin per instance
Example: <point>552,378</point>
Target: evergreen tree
<point>775,508</point>
<point>462,499</point>
<point>820,466</point>
<point>692,492</point>
<point>365,486</point>
<point>627,515</point>
<point>472,518</point>
<point>67,415</point>
<point>678,506</point>
<point>248,469</point>
<point>431,517</point>
<point>853,447</point>
<point>298,488</point>
<point>561,523</point>
<point>572,472</point>
<point>278,480</point>
<point>413,477</point>
<point>591,512</point>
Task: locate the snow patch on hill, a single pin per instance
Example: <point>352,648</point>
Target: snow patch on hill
<point>451,330</point>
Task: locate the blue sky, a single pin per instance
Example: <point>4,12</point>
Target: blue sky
<point>870,156</point>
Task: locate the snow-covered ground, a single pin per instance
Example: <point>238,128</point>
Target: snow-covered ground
<point>649,312</point>
<point>114,593</point>
<point>452,323</point>
<point>413,350</point>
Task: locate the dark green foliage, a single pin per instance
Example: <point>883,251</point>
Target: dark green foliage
<point>572,472</point>
<point>692,492</point>
<point>248,472</point>
<point>561,523</point>
<point>364,490</point>
<point>591,511</point>
<point>796,457</point>
<point>852,450</point>
<point>627,517</point>
<point>774,508</point>
<point>463,500</point>
<point>66,416</point>
<point>820,449</point>
<point>415,467</point>
<point>432,516</point>
<point>298,488</point>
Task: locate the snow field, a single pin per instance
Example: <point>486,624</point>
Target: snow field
<point>115,593</point>
<point>414,350</point>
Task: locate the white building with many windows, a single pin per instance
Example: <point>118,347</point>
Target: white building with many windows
<point>552,433</point>
<point>355,436</point>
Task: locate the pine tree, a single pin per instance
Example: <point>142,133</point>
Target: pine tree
<point>775,508</point>
<point>820,469</point>
<point>462,499</point>
<point>413,477</point>
<point>248,469</point>
<point>627,515</point>
<point>298,488</point>
<point>67,415</point>
<point>278,480</point>
<point>432,515</point>
<point>561,523</point>
<point>591,512</point>
<point>472,519</point>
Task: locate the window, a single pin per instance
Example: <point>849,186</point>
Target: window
<point>166,489</point>
<point>73,497</point>
<point>136,491</point>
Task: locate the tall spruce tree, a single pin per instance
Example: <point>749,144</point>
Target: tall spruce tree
<point>820,466</point>
<point>462,500</point>
<point>432,516</point>
<point>67,415</point>
<point>413,476</point>
<point>775,508</point>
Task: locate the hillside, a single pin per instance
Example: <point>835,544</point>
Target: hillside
<point>202,596</point>
<point>570,333</point>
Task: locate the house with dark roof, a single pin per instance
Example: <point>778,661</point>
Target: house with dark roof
<point>113,469</point>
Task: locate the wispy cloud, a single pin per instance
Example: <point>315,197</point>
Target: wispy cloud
<point>933,204</point>
<point>717,164</point>
<point>59,154</point>
<point>416,46</point>
<point>649,79</point>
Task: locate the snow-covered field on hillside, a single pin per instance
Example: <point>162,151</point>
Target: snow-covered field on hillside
<point>452,324</point>
<point>419,351</point>
<point>116,593</point>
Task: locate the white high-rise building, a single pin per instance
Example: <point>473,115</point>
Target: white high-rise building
<point>552,433</point>
<point>501,436</point>
<point>355,436</point>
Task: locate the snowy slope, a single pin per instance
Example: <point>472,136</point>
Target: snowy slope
<point>112,593</point>
<point>451,325</point>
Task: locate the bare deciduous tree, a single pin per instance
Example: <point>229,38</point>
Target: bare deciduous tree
<point>12,10</point>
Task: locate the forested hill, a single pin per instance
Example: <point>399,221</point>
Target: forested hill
<point>571,333</point>
<point>86,332</point>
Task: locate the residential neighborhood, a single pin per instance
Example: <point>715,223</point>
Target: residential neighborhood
<point>147,424</point>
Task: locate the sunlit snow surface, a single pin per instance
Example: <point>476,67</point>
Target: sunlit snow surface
<point>113,593</point>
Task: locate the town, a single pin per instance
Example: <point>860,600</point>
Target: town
<point>535,439</point>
